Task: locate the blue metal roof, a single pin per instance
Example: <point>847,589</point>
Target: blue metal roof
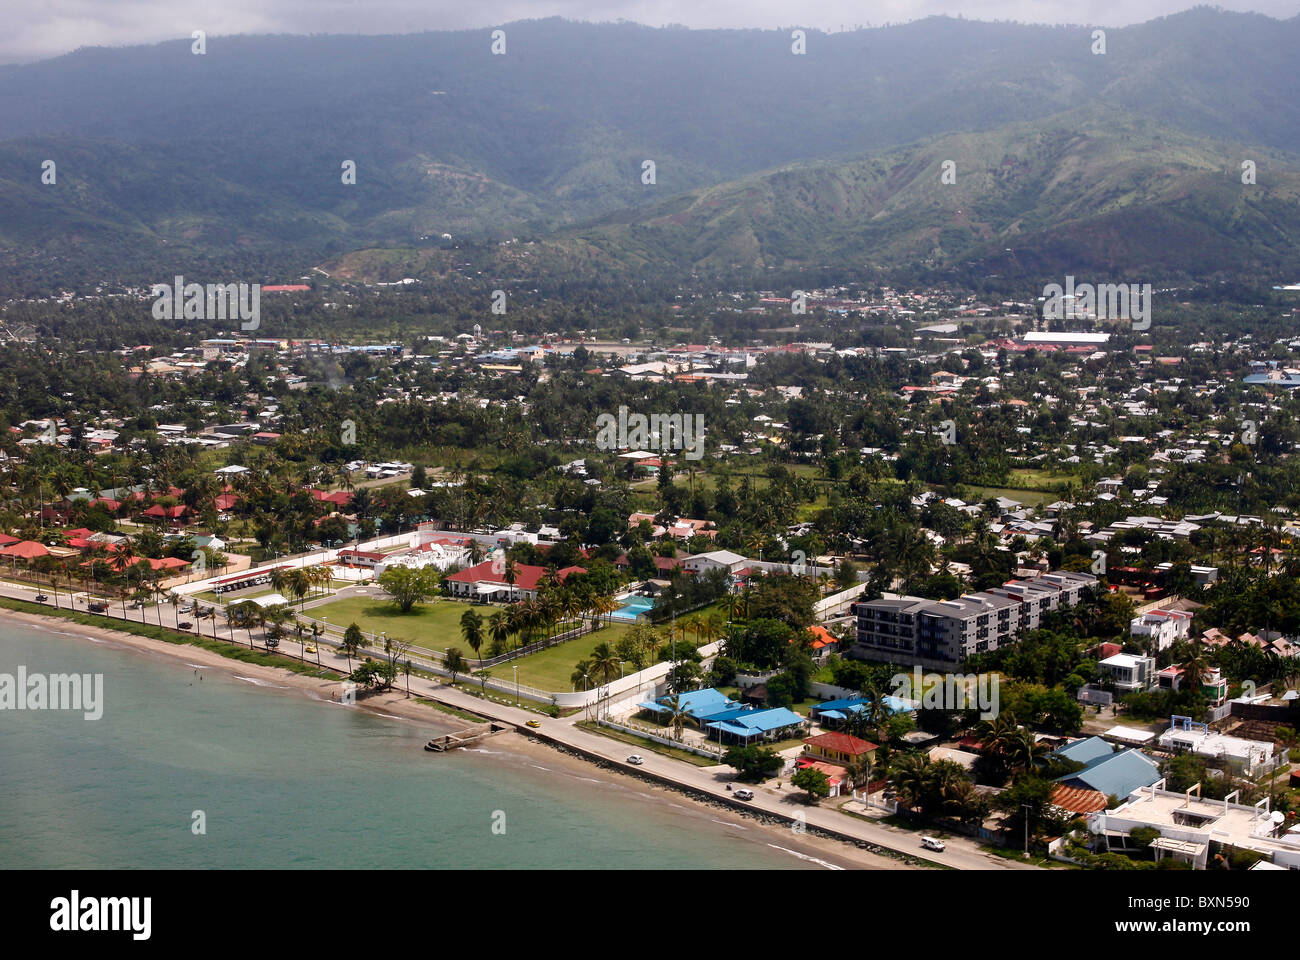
<point>1119,774</point>
<point>760,721</point>
<point>696,703</point>
<point>1086,751</point>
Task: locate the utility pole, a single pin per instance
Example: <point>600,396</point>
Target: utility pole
<point>1025,807</point>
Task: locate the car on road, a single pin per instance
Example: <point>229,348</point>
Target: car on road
<point>41,598</point>
<point>184,625</point>
<point>636,760</point>
<point>744,794</point>
<point>532,723</point>
<point>310,649</point>
<point>932,843</point>
<point>97,607</point>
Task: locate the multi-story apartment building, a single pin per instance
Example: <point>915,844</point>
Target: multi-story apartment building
<point>942,633</point>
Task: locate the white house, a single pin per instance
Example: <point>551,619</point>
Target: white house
<point>1162,626</point>
<point>714,559</point>
<point>1129,672</point>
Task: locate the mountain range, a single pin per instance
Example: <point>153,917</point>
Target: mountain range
<point>766,162</point>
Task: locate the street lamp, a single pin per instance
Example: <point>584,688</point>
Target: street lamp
<point>515,668</point>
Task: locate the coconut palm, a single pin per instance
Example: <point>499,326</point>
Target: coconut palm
<point>605,664</point>
<point>471,628</point>
<point>498,630</point>
<point>1025,753</point>
<point>678,714</point>
<point>910,779</point>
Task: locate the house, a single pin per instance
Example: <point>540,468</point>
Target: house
<point>367,559</point>
<point>1163,627</point>
<point>1106,773</point>
<point>1213,684</point>
<point>1189,826</point>
<point>714,560</point>
<point>487,581</point>
<point>1129,672</point>
<point>842,748</point>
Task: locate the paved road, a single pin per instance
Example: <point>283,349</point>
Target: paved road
<point>961,852</point>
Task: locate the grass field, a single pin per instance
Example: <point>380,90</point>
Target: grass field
<point>433,626</point>
<point>551,668</point>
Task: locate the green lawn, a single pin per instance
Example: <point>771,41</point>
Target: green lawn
<point>433,626</point>
<point>551,668</point>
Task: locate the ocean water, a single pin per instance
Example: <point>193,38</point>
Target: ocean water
<point>285,781</point>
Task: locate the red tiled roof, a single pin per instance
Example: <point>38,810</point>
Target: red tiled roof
<point>25,550</point>
<point>526,575</point>
<point>1078,799</point>
<point>841,742</point>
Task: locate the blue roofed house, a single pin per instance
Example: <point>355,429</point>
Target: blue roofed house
<point>744,725</point>
<point>1106,773</point>
<point>697,704</point>
<point>719,716</point>
<point>842,709</point>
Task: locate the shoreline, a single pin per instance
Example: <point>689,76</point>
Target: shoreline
<point>829,852</point>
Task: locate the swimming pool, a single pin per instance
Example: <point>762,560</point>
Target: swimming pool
<point>632,608</point>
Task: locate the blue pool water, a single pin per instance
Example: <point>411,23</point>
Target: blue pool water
<point>633,608</point>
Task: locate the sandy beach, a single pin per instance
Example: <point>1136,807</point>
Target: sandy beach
<point>831,853</point>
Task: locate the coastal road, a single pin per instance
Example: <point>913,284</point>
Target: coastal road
<point>961,853</point>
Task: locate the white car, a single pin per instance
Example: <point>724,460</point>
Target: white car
<point>636,760</point>
<point>932,843</point>
<point>744,794</point>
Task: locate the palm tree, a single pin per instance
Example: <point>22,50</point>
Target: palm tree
<point>279,579</point>
<point>605,664</point>
<point>498,629</point>
<point>510,576</point>
<point>317,631</point>
<point>1196,666</point>
<point>471,628</point>
<point>910,779</point>
<point>299,583</point>
<point>678,714</point>
<point>1025,753</point>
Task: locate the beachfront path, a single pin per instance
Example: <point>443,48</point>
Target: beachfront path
<point>961,853</point>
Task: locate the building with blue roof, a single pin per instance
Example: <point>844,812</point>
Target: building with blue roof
<point>845,707</point>
<point>697,704</point>
<point>1085,751</point>
<point>749,724</point>
<point>1106,775</point>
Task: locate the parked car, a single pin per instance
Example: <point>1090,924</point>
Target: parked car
<point>41,598</point>
<point>636,760</point>
<point>932,843</point>
<point>744,793</point>
<point>97,607</point>
<point>184,625</point>
<point>532,723</point>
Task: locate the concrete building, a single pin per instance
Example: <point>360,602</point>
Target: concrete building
<point>1129,672</point>
<point>1163,627</point>
<point>1190,827</point>
<point>942,633</point>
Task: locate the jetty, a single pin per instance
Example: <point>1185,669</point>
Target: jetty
<point>466,737</point>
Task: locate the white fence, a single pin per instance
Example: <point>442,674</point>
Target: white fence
<point>700,749</point>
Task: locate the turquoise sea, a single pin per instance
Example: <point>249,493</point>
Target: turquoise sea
<point>287,781</point>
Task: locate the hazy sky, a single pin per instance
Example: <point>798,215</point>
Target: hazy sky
<point>45,28</point>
